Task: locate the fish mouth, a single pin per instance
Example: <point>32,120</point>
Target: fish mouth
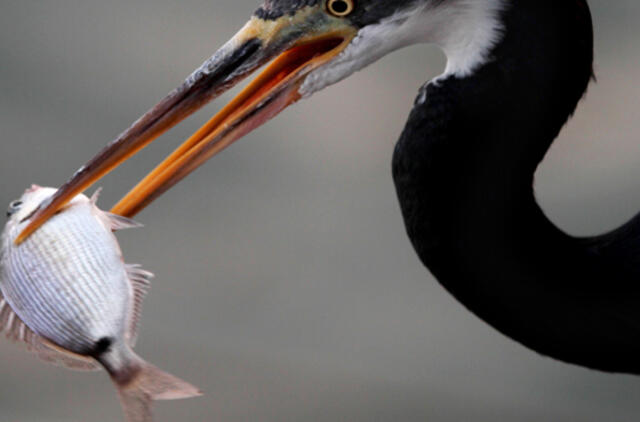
<point>293,46</point>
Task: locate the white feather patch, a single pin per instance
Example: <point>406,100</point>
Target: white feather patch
<point>466,30</point>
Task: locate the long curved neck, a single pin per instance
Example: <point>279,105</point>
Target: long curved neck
<point>464,170</point>
<point>472,145</point>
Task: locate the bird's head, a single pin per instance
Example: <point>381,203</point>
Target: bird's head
<point>308,45</point>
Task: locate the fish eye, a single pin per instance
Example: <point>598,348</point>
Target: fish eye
<point>340,8</point>
<point>14,207</point>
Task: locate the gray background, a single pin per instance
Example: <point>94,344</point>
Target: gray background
<point>286,288</point>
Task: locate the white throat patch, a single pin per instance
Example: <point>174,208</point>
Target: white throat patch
<point>466,30</point>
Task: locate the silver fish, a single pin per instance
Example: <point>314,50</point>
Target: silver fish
<point>67,293</point>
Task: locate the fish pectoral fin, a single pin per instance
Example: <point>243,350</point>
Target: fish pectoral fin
<point>16,330</point>
<point>118,222</point>
<point>140,282</point>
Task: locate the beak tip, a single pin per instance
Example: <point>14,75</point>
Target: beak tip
<point>20,239</point>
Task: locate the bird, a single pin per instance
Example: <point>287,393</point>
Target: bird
<point>463,166</point>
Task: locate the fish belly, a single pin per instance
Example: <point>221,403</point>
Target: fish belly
<point>68,281</point>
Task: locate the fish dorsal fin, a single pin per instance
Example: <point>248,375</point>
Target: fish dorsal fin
<point>118,222</point>
<point>113,221</point>
<point>17,331</point>
<point>96,196</point>
<point>140,282</point>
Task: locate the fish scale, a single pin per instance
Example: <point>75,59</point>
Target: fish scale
<point>85,308</point>
<point>67,293</point>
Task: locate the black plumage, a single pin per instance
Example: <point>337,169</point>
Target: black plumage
<point>464,171</point>
<point>464,166</point>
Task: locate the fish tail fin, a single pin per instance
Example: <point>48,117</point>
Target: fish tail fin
<point>147,384</point>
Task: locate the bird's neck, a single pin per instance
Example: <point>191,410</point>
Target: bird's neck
<point>465,164</point>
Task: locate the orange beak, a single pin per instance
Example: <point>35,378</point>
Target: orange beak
<point>271,92</point>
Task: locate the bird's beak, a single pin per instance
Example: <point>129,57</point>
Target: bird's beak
<point>296,45</point>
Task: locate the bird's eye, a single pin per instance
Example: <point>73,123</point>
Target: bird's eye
<point>13,208</point>
<point>340,8</point>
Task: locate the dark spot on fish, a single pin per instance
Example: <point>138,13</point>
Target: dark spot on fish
<point>102,346</point>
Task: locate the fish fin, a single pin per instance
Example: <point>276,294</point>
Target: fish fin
<point>146,385</point>
<point>16,330</point>
<point>118,222</point>
<point>141,282</point>
<point>55,355</point>
<point>10,323</point>
<point>114,222</point>
<point>96,196</point>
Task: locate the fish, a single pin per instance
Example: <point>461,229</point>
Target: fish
<point>67,294</point>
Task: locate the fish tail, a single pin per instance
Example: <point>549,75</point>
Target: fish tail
<point>139,388</point>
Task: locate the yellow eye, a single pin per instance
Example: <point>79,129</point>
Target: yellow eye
<point>340,8</point>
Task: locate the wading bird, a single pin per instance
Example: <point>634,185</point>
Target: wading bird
<point>464,164</point>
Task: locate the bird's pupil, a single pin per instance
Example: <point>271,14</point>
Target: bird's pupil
<point>340,6</point>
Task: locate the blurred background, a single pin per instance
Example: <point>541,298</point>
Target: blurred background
<point>286,287</point>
